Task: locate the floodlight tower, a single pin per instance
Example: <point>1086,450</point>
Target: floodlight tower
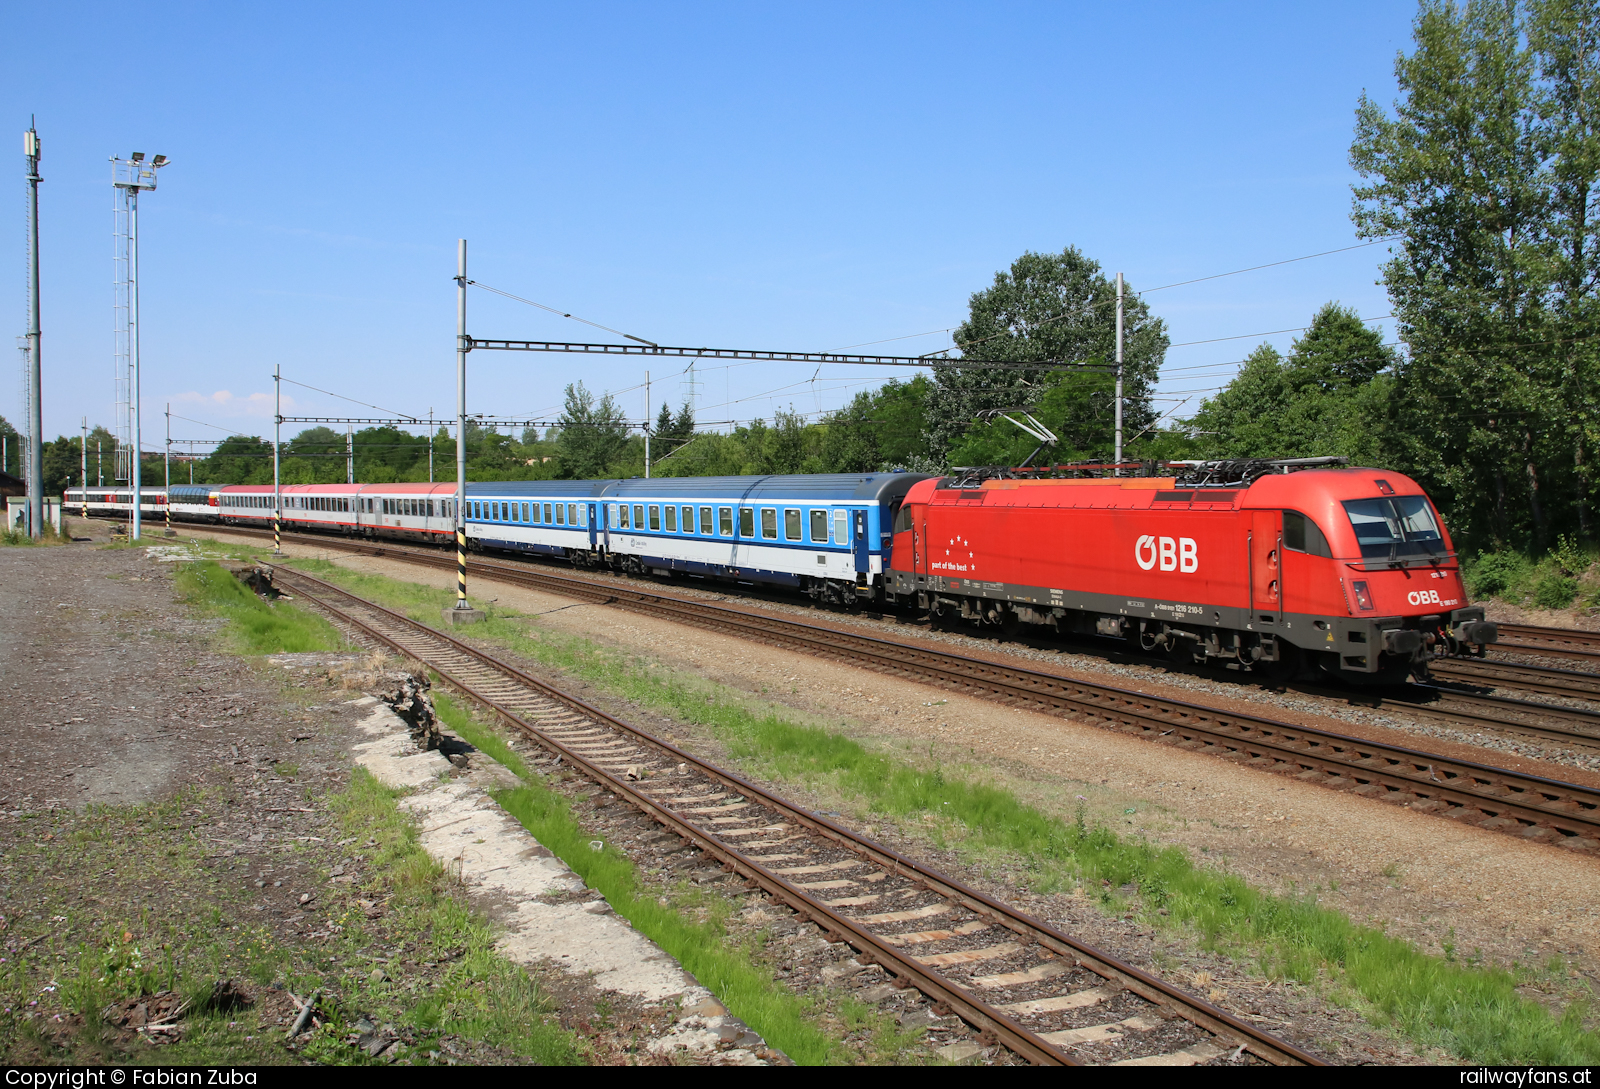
<point>35,459</point>
<point>128,177</point>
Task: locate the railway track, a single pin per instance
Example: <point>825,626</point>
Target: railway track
<point>1016,981</point>
<point>1500,799</point>
<point>1491,673</point>
<point>1569,643</point>
<point>1455,707</point>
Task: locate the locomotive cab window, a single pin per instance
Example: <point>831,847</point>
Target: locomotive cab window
<point>1395,529</point>
<point>902,518</point>
<point>1301,534</point>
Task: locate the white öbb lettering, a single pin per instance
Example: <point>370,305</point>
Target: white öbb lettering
<point>1181,554</point>
<point>1424,597</point>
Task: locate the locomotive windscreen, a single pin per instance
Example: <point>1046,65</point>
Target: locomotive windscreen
<point>1397,528</point>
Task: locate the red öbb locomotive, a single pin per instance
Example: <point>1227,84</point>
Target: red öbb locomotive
<point>1260,564</point>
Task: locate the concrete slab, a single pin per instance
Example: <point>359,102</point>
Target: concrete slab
<point>507,872</point>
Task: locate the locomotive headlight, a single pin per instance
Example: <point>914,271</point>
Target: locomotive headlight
<point>1363,596</point>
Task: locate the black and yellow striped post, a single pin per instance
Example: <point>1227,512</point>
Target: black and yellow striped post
<point>277,532</point>
<point>461,612</point>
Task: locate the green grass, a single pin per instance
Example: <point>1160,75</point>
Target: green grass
<point>481,995</point>
<point>255,626</point>
<point>16,538</point>
<point>179,923</point>
<point>1474,1013</point>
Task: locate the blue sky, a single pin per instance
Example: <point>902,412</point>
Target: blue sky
<point>803,177</point>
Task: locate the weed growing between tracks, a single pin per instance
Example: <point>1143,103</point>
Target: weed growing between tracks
<point>689,924</point>
<point>1473,1013</point>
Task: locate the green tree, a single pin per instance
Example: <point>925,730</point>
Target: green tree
<point>1485,171</point>
<point>593,434</point>
<point>1329,397</point>
<point>238,459</point>
<point>1048,307</point>
<point>880,429</point>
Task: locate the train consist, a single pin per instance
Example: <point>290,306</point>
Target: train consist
<point>1290,566</point>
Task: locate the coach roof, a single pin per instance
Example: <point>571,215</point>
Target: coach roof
<point>818,488</point>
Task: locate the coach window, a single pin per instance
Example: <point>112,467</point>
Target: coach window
<point>672,519</point>
<point>655,518</point>
<point>707,525</point>
<point>547,514</point>
<point>725,521</point>
<point>791,524</point>
<point>1300,534</point>
<point>747,521</point>
<point>819,527</point>
<point>841,527</point>
<point>572,514</point>
<point>622,515</point>
<point>560,521</point>
<point>769,523</point>
<point>638,516</point>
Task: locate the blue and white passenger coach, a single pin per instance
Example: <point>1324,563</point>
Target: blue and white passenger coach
<point>827,535</point>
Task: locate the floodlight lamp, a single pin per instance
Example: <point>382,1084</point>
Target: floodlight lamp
<point>159,161</point>
<point>138,156</point>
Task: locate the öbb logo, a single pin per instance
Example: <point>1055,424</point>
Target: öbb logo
<point>1175,555</point>
<point>1424,597</point>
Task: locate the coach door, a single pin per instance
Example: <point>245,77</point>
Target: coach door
<point>1266,566</point>
<point>858,539</point>
<point>594,528</point>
